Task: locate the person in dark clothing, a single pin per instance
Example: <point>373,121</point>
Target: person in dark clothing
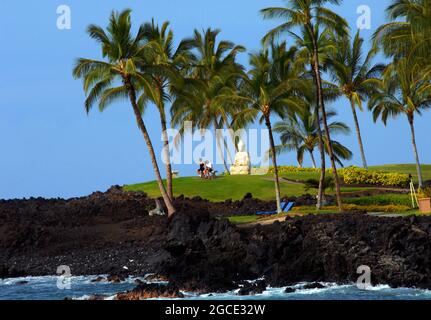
<point>201,170</point>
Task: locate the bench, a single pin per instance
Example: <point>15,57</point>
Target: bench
<point>175,174</point>
<point>214,174</point>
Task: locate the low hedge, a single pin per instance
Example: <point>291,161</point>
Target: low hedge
<point>355,175</point>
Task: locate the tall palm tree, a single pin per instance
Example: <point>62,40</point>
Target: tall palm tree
<point>215,73</point>
<point>270,88</point>
<point>325,45</point>
<point>354,76</point>
<point>310,15</point>
<point>408,34</point>
<point>298,132</point>
<point>118,77</point>
<point>404,90</point>
<point>162,53</point>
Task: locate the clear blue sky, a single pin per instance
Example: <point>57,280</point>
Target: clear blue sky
<point>50,147</point>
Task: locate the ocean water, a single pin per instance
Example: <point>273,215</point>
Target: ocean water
<point>45,288</point>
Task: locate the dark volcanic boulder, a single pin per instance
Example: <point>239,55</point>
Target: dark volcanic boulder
<point>155,278</point>
<point>151,291</point>
<point>290,290</point>
<point>253,288</point>
<point>314,285</point>
<point>206,254</point>
<point>116,278</point>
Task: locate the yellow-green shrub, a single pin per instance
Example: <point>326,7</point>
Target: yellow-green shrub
<point>355,175</point>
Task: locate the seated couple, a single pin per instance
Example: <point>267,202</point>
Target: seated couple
<point>206,170</point>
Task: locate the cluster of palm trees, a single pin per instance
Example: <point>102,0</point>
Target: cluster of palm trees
<point>205,85</point>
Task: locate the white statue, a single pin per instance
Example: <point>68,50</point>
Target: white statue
<point>241,165</point>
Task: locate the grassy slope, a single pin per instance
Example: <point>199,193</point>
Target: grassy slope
<point>222,188</point>
<point>235,187</point>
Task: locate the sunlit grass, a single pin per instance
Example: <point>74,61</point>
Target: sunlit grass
<point>262,187</point>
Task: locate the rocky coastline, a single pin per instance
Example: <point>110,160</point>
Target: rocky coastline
<point>201,251</point>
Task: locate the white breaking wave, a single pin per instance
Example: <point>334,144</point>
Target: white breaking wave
<point>82,288</point>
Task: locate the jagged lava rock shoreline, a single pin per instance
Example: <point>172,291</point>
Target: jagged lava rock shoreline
<point>200,251</point>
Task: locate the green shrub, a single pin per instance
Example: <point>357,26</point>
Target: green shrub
<point>381,200</point>
<point>424,192</point>
<point>355,175</point>
<point>373,208</point>
<point>377,208</point>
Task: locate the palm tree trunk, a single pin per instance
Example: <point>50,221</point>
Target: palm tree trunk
<point>321,191</point>
<point>312,159</point>
<point>274,162</point>
<point>415,150</point>
<point>299,164</point>
<point>168,165</point>
<point>226,149</point>
<point>316,71</point>
<point>220,148</point>
<point>142,127</point>
<point>358,134</point>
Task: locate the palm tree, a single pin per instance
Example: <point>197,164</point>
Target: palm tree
<point>404,90</point>
<point>408,34</point>
<point>215,73</point>
<point>118,77</point>
<point>299,133</point>
<point>167,63</point>
<point>325,45</point>
<point>309,15</point>
<point>354,76</point>
<point>270,88</point>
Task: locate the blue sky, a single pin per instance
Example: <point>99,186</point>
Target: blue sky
<point>51,148</point>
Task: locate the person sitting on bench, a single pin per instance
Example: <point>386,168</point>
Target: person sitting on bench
<point>208,169</point>
<point>201,170</point>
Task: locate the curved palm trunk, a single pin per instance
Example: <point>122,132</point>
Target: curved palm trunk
<point>358,134</point>
<point>142,127</point>
<point>220,148</point>
<point>316,71</point>
<point>274,162</point>
<point>312,158</point>
<point>226,148</point>
<point>299,164</point>
<point>168,165</point>
<point>415,150</point>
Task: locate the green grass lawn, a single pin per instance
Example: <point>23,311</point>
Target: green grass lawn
<point>222,188</point>
<point>301,176</point>
<point>262,187</point>
<point>382,200</point>
<point>228,187</point>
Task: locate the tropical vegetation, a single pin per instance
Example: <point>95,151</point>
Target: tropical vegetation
<point>307,61</point>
